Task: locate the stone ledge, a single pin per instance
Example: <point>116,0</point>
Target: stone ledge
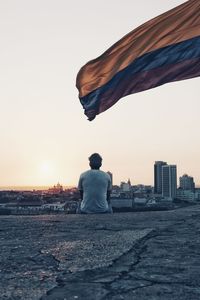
<point>149,255</point>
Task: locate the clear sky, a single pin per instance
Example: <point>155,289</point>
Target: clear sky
<point>45,136</point>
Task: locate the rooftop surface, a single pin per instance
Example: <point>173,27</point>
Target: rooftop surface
<point>141,255</point>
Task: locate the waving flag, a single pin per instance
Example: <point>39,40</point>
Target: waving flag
<point>162,50</point>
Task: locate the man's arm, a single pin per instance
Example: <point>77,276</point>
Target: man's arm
<point>80,187</point>
<point>108,196</point>
<point>81,194</point>
<point>109,189</point>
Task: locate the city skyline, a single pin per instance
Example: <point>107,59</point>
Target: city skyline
<point>182,180</point>
<point>45,138</point>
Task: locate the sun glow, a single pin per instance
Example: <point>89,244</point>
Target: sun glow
<point>46,168</point>
<point>46,172</point>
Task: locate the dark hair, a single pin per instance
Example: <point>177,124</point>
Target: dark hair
<point>95,161</point>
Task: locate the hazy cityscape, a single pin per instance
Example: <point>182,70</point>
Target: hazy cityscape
<point>167,193</point>
<point>133,69</point>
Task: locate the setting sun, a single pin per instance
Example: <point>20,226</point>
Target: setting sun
<point>46,168</point>
<point>46,172</point>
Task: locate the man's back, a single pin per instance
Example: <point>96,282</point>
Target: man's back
<point>94,184</point>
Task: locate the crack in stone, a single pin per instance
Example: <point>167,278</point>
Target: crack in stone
<point>166,282</point>
<point>107,286</point>
<point>138,248</point>
<point>167,264</point>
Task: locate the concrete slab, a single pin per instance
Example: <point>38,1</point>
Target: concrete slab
<point>147,255</point>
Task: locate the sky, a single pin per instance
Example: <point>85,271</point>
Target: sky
<point>45,136</point>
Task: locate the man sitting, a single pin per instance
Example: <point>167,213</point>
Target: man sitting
<point>95,187</point>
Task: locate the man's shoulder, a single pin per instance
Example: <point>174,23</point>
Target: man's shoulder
<point>85,173</point>
<point>94,173</point>
<point>105,174</point>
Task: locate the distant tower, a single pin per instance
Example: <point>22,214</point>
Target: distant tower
<point>187,182</point>
<point>111,176</point>
<point>158,176</point>
<point>169,181</point>
<point>125,186</point>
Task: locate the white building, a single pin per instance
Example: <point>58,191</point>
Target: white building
<point>54,206</point>
<point>186,195</point>
<point>187,182</point>
<point>122,203</point>
<point>125,186</point>
<point>140,201</point>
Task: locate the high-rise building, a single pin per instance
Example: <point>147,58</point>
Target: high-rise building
<point>169,181</point>
<point>187,182</point>
<point>111,176</point>
<point>158,176</point>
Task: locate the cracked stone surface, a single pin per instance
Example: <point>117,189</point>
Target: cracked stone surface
<point>143,255</point>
